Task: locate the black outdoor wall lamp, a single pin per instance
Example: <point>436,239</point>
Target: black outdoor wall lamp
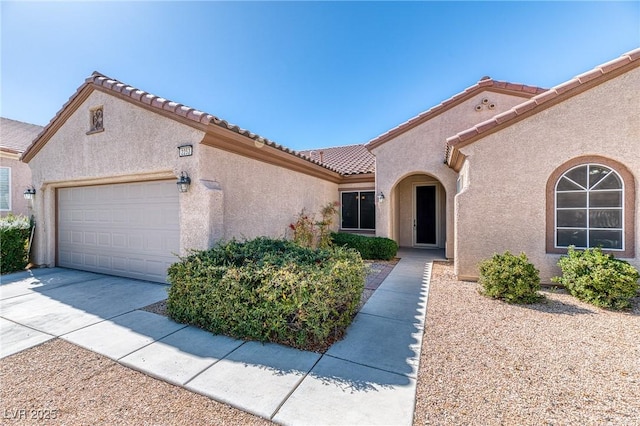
<point>29,193</point>
<point>183,182</point>
<point>380,197</point>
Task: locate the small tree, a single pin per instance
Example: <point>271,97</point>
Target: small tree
<point>307,232</point>
<point>328,213</point>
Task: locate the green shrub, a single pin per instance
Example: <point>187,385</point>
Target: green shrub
<point>368,247</point>
<point>510,278</point>
<point>14,241</point>
<point>268,290</point>
<point>598,278</point>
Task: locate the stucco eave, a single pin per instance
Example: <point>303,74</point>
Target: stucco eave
<point>230,141</point>
<point>359,178</point>
<point>455,159</point>
<point>10,154</point>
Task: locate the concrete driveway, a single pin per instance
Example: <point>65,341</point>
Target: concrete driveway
<point>41,304</point>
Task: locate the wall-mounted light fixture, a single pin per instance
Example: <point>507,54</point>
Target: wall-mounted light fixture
<point>185,150</point>
<point>183,182</point>
<point>29,193</point>
<point>380,197</point>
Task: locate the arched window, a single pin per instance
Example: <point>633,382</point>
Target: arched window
<point>591,203</point>
<point>589,208</point>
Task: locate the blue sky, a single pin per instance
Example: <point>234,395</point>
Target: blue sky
<point>303,74</point>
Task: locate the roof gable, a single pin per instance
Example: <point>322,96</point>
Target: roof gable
<point>236,139</point>
<point>538,103</point>
<point>485,84</point>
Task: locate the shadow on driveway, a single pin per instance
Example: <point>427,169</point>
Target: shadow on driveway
<point>374,365</point>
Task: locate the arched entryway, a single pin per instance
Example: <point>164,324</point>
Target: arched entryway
<point>419,212</point>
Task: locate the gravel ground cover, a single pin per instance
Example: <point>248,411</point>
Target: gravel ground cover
<point>58,383</point>
<point>559,362</point>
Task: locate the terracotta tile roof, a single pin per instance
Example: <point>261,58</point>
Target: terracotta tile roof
<point>16,136</point>
<point>541,101</point>
<point>183,110</point>
<point>347,160</point>
<point>197,117</point>
<point>485,83</point>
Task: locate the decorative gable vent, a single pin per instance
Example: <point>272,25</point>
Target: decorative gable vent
<point>485,104</point>
<point>96,119</point>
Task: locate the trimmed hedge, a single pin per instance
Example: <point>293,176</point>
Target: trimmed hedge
<point>14,240</point>
<point>368,247</point>
<point>510,278</point>
<point>268,290</point>
<point>598,278</point>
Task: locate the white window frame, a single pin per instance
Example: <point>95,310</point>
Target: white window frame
<point>359,228</point>
<point>8,189</point>
<point>588,207</point>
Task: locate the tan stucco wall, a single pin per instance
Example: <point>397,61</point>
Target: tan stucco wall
<point>421,150</point>
<point>135,145</point>
<point>261,199</point>
<point>20,180</point>
<point>503,206</point>
<point>230,195</point>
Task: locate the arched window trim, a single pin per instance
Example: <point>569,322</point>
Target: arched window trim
<point>628,203</point>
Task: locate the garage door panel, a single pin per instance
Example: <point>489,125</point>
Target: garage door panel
<point>91,216</point>
<point>77,237</point>
<point>90,238</point>
<point>91,260</point>
<point>77,216</point>
<point>104,239</point>
<point>123,229</point>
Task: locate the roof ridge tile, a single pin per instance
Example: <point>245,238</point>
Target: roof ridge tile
<point>100,80</point>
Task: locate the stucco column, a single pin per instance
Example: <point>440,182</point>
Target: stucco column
<point>383,212</point>
<point>450,207</point>
<point>43,246</point>
<point>201,216</point>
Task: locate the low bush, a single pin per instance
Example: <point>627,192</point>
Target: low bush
<point>598,278</point>
<point>510,278</point>
<point>14,242</point>
<point>368,247</point>
<point>269,290</point>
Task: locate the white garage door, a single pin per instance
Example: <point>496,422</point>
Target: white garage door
<point>130,229</point>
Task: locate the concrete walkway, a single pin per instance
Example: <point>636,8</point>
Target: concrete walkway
<point>367,378</point>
